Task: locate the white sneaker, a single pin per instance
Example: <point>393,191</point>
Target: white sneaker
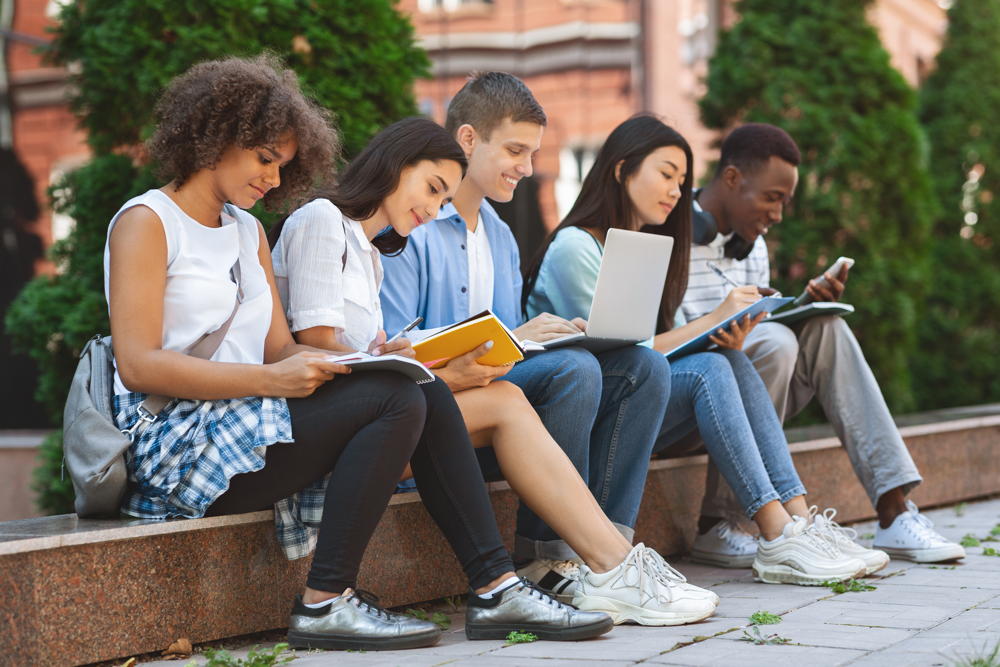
<point>725,545</point>
<point>668,572</point>
<point>558,578</point>
<point>912,537</point>
<point>873,559</point>
<point>638,590</point>
<point>803,555</point>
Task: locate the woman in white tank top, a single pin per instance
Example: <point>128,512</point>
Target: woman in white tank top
<point>265,421</point>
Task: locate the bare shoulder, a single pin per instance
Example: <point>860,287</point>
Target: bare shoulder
<point>138,222</point>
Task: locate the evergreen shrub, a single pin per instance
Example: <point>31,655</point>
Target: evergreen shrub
<point>959,107</point>
<point>818,70</point>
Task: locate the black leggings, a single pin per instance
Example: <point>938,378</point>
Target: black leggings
<point>362,430</point>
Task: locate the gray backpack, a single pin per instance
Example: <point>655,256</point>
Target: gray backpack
<point>93,447</point>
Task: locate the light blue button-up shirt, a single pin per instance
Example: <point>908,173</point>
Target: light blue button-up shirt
<point>430,278</point>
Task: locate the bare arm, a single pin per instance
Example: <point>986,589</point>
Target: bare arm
<point>137,282</point>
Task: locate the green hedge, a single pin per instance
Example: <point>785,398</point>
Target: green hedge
<point>818,69</point>
<point>960,108</point>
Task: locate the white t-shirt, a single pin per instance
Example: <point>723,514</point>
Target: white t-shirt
<point>706,289</point>
<point>477,245</point>
<point>317,287</point>
<point>199,294</point>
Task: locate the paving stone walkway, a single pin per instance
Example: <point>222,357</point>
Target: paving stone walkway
<point>917,615</point>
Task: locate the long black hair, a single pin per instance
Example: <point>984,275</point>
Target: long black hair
<point>604,204</point>
<point>374,174</point>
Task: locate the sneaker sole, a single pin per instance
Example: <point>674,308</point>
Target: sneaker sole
<point>872,569</point>
<point>783,574</point>
<point>542,631</point>
<point>938,555</point>
<point>732,562</point>
<point>305,640</point>
<point>623,612</point>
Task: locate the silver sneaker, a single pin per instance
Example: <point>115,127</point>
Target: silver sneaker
<point>525,608</point>
<point>355,621</point>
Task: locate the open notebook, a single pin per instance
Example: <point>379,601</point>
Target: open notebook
<point>437,347</point>
<point>701,342</point>
<point>361,361</point>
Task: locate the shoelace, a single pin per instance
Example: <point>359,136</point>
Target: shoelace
<point>734,537</point>
<point>367,602</point>
<point>662,567</point>
<point>535,591</point>
<point>651,582</point>
<point>837,532</point>
<point>822,540</point>
<point>922,527</point>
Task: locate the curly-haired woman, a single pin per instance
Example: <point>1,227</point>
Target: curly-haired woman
<point>264,419</point>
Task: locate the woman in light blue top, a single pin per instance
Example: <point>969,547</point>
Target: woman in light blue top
<point>639,178</point>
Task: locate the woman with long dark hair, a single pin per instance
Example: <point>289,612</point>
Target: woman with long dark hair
<point>640,180</point>
<point>327,261</point>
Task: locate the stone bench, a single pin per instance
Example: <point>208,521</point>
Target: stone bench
<point>75,591</point>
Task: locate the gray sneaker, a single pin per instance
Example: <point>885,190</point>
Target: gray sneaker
<point>525,608</point>
<point>355,621</point>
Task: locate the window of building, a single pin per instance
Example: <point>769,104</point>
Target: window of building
<point>699,29</point>
<point>449,5</point>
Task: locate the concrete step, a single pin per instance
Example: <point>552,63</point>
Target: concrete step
<point>77,591</point>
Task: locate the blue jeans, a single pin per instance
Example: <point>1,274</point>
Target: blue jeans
<point>721,395</point>
<point>605,413</point>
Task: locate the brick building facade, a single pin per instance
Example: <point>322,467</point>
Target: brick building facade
<point>44,132</point>
<point>591,63</point>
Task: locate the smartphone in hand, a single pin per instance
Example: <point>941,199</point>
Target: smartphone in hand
<point>834,270</point>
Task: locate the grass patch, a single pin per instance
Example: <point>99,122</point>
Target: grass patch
<point>764,618</point>
<point>257,657</point>
<point>990,551</point>
<point>988,658</point>
<point>868,536</point>
<point>849,586</point>
<point>960,509</point>
<point>995,530</point>
<point>942,567</point>
<point>754,636</point>
<point>969,540</point>
<point>438,618</point>
<point>516,637</point>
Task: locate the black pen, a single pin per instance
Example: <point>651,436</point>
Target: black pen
<point>408,327</point>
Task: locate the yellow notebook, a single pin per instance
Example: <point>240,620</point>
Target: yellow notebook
<point>466,336</point>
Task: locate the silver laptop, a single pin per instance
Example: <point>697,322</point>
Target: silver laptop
<point>629,288</point>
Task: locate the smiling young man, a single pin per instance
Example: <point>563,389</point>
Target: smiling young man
<point>601,410</point>
<point>819,357</point>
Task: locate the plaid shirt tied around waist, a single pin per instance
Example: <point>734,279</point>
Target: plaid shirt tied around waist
<point>184,460</point>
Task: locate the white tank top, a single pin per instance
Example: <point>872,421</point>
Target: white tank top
<point>200,292</point>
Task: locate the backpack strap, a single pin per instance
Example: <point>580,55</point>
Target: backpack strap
<point>204,348</point>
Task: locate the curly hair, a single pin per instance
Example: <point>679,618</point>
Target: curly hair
<point>247,102</point>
